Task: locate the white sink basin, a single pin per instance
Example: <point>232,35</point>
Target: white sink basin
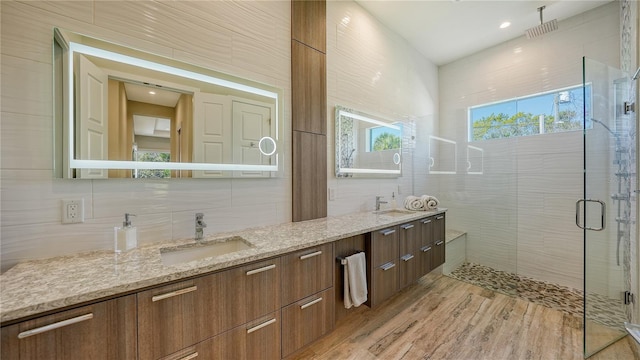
<point>394,212</point>
<point>202,250</point>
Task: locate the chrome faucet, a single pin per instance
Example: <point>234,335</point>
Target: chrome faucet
<point>378,202</point>
<point>200,225</point>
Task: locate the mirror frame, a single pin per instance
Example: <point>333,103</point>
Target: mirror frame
<point>73,43</point>
<point>343,172</point>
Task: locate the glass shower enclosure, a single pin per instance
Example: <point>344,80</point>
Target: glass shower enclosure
<point>607,212</point>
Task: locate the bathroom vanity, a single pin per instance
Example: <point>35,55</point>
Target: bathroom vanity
<point>265,302</point>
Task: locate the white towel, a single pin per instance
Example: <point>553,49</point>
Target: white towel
<point>414,203</point>
<point>355,280</point>
<point>430,202</point>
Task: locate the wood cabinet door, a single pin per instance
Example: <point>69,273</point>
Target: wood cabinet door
<point>384,282</point>
<point>438,257</point>
<point>257,340</point>
<point>306,320</point>
<point>409,262</point>
<point>307,272</point>
<point>105,330</point>
<point>425,251</point>
<point>384,246</point>
<point>176,316</point>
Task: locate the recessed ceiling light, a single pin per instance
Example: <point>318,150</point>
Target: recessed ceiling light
<point>505,25</point>
<point>152,92</point>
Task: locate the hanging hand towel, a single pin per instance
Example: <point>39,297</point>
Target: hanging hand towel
<point>356,269</point>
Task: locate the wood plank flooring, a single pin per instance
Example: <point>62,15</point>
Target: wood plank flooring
<point>444,318</point>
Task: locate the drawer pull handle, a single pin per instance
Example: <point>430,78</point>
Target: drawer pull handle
<point>54,326</point>
<point>310,303</point>
<point>174,293</point>
<point>426,248</point>
<point>311,255</point>
<point>387,266</point>
<point>440,243</point>
<point>407,257</point>
<point>387,232</point>
<point>260,326</point>
<point>190,356</point>
<point>407,226</point>
<point>440,217</point>
<point>265,268</point>
<point>426,221</point>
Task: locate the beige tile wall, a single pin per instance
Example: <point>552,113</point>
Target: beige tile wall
<point>248,39</point>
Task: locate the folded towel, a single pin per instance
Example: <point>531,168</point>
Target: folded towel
<point>355,279</point>
<point>414,203</point>
<point>430,202</point>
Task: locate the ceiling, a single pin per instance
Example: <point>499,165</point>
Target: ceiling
<point>446,30</point>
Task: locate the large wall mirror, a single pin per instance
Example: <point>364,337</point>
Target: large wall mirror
<point>130,114</point>
<point>367,145</point>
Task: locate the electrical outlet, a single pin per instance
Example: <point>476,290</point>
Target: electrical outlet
<point>332,194</point>
<point>72,211</point>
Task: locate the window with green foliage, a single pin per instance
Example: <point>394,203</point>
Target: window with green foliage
<point>153,156</point>
<point>550,112</point>
<point>383,138</point>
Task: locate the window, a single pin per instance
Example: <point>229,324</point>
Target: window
<point>384,138</point>
<point>550,112</point>
<point>155,156</point>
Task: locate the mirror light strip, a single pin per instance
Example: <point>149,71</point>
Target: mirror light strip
<point>367,171</point>
<point>142,165</point>
<point>369,120</point>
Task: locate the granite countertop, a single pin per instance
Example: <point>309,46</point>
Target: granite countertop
<point>39,286</point>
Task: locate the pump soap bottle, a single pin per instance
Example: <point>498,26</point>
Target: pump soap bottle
<point>125,237</point>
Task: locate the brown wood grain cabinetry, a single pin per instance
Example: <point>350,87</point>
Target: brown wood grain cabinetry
<point>309,176</point>
<point>409,263</point>
<point>438,235</point>
<point>309,98</point>
<point>179,315</point>
<point>308,23</point>
<point>259,339</point>
<point>383,265</point>
<point>306,272</point>
<point>105,330</point>
<point>306,320</point>
<point>426,245</point>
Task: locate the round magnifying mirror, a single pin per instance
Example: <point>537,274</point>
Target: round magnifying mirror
<point>396,158</point>
<point>267,146</point>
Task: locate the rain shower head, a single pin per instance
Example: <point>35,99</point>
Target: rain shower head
<point>543,28</point>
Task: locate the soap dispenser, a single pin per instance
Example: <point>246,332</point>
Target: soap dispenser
<point>393,200</point>
<point>125,237</point>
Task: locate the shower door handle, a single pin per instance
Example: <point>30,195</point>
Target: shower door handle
<point>603,214</point>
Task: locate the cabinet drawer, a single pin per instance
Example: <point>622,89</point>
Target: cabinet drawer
<point>176,316</point>
<point>384,282</point>
<point>259,339</point>
<point>409,269</point>
<point>385,246</point>
<point>425,255</point>
<point>426,231</point>
<point>306,272</point>
<point>438,256</point>
<point>105,330</point>
<point>306,320</point>
<point>409,238</point>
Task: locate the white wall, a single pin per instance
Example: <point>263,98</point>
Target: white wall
<point>247,39</point>
<point>520,214</point>
<point>373,70</point>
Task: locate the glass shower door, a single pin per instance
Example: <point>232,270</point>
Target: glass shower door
<point>607,211</point>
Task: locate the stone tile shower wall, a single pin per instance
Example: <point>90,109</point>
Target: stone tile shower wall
<point>520,213</point>
<point>246,39</point>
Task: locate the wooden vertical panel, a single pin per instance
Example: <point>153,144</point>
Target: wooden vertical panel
<point>309,89</point>
<point>309,176</point>
<point>308,23</point>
